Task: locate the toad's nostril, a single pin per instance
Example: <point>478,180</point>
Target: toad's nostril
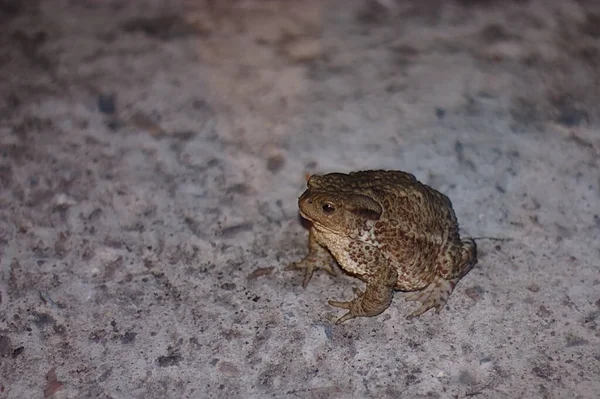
<point>310,201</point>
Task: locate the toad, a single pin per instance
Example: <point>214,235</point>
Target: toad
<point>390,231</point>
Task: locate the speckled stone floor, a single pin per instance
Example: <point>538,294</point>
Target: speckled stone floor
<point>152,153</point>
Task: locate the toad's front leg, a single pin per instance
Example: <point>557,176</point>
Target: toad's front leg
<point>377,297</point>
<point>318,258</point>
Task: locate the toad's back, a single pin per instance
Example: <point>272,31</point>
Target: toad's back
<point>411,206</point>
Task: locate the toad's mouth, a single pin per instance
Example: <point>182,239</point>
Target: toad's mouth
<point>318,226</point>
<point>305,216</point>
<point>310,219</point>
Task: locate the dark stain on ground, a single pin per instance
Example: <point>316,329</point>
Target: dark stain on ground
<point>13,8</point>
<point>232,231</point>
<point>5,176</point>
<point>171,360</point>
<point>239,188</point>
<point>485,3</point>
<point>460,155</point>
<point>18,351</point>
<point>128,337</point>
<point>107,103</point>
<point>580,141</point>
<point>589,55</point>
<point>573,340</point>
<point>5,346</point>
<point>569,114</point>
<point>404,54</point>
<point>275,163</point>
<point>194,225</point>
<point>261,271</point>
<point>591,26</point>
<point>544,371</point>
<point>494,33</point>
<point>30,45</point>
<point>43,319</point>
<point>166,27</point>
<point>373,13</point>
<point>524,113</point>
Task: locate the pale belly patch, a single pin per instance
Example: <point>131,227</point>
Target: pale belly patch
<point>359,256</point>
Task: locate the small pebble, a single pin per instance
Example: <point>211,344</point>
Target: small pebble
<point>440,113</point>
<point>107,103</point>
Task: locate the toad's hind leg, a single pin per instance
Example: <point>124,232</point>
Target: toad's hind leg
<point>377,297</point>
<point>468,255</point>
<point>436,294</point>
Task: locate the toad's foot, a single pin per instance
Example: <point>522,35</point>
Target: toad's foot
<point>434,295</point>
<point>318,258</point>
<point>376,298</point>
<point>311,262</point>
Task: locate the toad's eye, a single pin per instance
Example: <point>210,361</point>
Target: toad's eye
<point>328,208</point>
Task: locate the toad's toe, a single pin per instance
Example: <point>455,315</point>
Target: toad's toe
<point>310,264</point>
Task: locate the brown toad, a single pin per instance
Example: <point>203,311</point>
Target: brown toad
<point>389,230</point>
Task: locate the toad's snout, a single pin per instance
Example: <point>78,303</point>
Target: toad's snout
<point>305,199</point>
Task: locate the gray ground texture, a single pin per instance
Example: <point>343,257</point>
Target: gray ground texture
<point>151,156</point>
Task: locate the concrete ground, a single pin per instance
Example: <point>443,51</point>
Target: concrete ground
<point>151,156</point>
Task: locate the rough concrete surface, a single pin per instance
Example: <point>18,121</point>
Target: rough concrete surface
<point>151,156</point>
